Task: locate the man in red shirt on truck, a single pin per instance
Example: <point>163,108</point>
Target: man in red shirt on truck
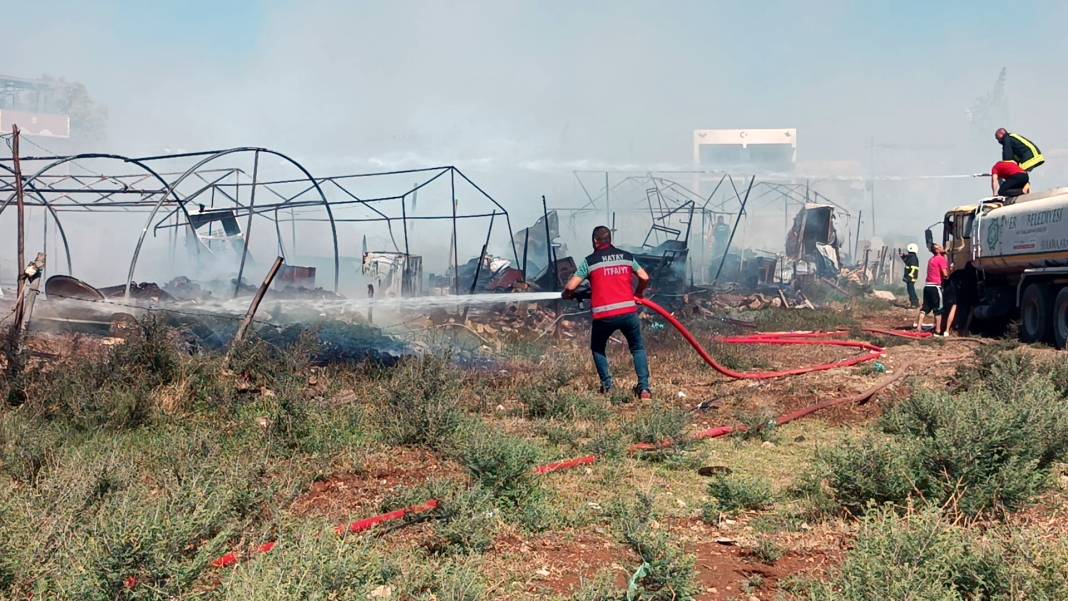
<point>1008,179</point>
<point>611,273</point>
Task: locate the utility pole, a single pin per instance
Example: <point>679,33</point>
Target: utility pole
<point>871,182</point>
<point>607,201</point>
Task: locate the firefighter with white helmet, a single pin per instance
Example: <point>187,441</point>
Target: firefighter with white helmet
<point>912,272</point>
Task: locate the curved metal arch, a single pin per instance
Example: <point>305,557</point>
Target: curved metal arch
<point>55,216</point>
<point>167,189</point>
<point>212,157</point>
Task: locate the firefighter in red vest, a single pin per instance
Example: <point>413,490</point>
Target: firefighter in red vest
<point>611,273</point>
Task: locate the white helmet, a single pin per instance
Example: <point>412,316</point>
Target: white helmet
<point>912,248</point>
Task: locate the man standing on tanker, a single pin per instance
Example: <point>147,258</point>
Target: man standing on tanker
<point>611,273</point>
<point>1016,148</point>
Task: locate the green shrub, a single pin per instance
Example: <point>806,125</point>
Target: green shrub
<point>465,521</point>
<point>988,448</point>
<point>659,424</point>
<point>265,364</point>
<point>922,556</point>
<point>500,463</point>
<point>601,588</point>
<point>737,356</point>
<point>27,446</point>
<point>543,403</point>
<point>157,506</point>
<point>758,425</point>
<point>666,572</point>
<point>995,446</point>
<point>422,405</point>
<point>767,550</point>
<point>288,419</point>
<point>734,493</point>
<point>872,471</point>
<point>311,566</point>
<point>114,389</point>
<point>448,580</point>
<point>608,442</point>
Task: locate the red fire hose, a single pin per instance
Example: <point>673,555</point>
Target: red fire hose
<point>778,338</point>
<point>795,338</point>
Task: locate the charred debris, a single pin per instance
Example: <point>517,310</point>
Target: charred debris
<point>218,218</point>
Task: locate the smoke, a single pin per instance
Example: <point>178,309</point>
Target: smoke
<point>519,94</point>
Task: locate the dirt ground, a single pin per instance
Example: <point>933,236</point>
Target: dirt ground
<point>555,564</point>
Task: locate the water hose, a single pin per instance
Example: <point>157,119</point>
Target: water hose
<point>794,338</point>
<point>777,338</point>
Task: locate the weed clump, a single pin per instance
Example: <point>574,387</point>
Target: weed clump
<point>988,449</point>
<point>26,447</point>
<point>735,493</point>
<point>922,556</point>
<point>422,405</point>
<point>601,588</point>
<point>608,442</point>
<point>465,521</point>
<point>737,357</point>
<point>548,397</point>
<point>657,425</point>
<point>502,464</point>
<point>666,572</point>
<point>115,390</point>
<point>767,550</point>
<point>871,471</point>
<point>542,403</point>
<point>311,566</point>
<point>154,506</point>
<point>757,425</point>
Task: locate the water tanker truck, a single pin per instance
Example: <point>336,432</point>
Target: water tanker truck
<point>1013,260</point>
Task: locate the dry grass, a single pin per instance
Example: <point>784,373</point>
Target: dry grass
<point>224,454</point>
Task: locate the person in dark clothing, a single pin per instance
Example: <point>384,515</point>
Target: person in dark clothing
<point>1008,179</point>
<point>961,296</point>
<point>912,273</point>
<point>1015,147</point>
<point>611,273</point>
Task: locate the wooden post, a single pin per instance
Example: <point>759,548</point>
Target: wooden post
<point>20,202</point>
<point>247,321</point>
<point>13,344</point>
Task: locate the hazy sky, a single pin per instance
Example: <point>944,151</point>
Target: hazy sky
<point>516,82</point>
<point>519,93</point>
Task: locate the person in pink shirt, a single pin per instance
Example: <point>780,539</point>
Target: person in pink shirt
<point>937,274</point>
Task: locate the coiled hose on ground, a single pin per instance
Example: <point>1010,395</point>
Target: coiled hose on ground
<point>777,338</point>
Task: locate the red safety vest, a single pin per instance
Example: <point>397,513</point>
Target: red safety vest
<point>611,282</point>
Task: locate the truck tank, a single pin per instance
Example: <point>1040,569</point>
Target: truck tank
<point>1031,233</point>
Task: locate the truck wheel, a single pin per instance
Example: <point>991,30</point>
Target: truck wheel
<point>1060,319</point>
<point>1036,312</point>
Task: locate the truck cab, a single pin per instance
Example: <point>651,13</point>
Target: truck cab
<point>957,235</point>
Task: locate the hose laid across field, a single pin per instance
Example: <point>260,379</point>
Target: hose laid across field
<point>793,338</point>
